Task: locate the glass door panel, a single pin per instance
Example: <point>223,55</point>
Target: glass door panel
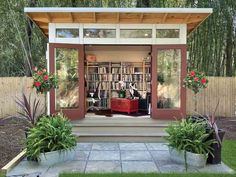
<point>168,72</point>
<point>67,66</point>
<point>67,61</point>
<point>168,78</point>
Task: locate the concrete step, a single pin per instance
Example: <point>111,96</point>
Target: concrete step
<point>120,129</point>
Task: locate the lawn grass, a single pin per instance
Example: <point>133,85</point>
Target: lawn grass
<point>228,156</point>
<point>229,153</point>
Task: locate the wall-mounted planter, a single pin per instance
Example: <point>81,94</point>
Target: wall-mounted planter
<point>54,157</point>
<point>196,160</point>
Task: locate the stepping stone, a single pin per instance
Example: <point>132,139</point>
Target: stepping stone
<point>104,155</point>
<point>135,155</point>
<point>82,155</point>
<point>105,146</point>
<point>139,166</point>
<point>157,146</point>
<point>132,146</point>
<point>103,167</point>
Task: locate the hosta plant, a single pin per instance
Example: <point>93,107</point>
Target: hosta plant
<point>189,136</point>
<point>51,133</point>
<point>43,81</point>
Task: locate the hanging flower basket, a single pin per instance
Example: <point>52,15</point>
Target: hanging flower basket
<point>43,81</point>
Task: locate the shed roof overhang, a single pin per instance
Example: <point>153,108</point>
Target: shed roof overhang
<point>190,16</point>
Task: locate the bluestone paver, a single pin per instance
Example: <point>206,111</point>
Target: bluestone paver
<point>135,155</point>
<point>105,147</point>
<point>104,155</point>
<point>139,166</point>
<point>133,146</point>
<point>157,146</point>
<point>82,155</point>
<point>84,146</point>
<point>103,167</point>
<point>115,157</point>
<point>72,166</point>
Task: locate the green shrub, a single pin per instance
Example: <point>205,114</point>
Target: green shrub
<point>51,133</point>
<point>189,136</point>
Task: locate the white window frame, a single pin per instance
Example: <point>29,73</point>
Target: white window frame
<point>99,40</point>
<point>150,41</point>
<point>54,39</point>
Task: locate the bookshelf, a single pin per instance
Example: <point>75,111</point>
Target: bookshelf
<point>108,74</point>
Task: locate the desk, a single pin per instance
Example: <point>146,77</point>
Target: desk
<point>124,105</point>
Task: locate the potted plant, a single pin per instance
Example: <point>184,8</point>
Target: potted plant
<point>195,81</point>
<point>51,140</point>
<point>43,81</point>
<point>189,143</point>
<point>214,134</point>
<point>122,91</point>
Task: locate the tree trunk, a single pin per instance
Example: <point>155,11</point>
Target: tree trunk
<point>28,64</point>
<point>143,3</point>
<point>229,49</point>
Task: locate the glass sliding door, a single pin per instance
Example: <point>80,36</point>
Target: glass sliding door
<point>168,71</point>
<point>67,61</point>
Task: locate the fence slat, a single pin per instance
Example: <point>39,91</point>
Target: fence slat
<point>219,88</point>
<point>12,88</point>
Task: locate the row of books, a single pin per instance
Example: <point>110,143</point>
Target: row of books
<point>131,78</point>
<point>98,77</point>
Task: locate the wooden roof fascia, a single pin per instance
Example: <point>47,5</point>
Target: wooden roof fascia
<point>40,29</point>
<point>197,25</point>
<point>164,18</point>
<point>141,18</point>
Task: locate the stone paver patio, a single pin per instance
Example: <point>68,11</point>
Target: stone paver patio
<point>114,157</point>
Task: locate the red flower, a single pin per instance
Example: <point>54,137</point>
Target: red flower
<point>40,73</point>
<point>44,70</point>
<point>35,68</point>
<point>192,73</point>
<point>37,83</point>
<point>203,81</point>
<point>196,79</point>
<point>45,77</point>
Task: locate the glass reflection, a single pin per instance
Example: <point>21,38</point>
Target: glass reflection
<point>99,33</point>
<point>167,33</point>
<point>67,95</point>
<point>136,33</point>
<point>67,33</point>
<point>168,76</point>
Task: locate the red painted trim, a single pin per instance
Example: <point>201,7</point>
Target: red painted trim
<point>79,112</point>
<point>168,113</point>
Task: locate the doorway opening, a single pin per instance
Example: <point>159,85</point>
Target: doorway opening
<point>118,80</point>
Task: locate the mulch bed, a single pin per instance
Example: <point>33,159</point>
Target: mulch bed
<point>12,136</point>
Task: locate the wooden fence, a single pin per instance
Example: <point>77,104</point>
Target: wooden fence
<point>222,89</point>
<point>12,88</point>
<point>219,88</point>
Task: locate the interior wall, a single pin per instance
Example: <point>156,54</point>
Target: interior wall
<point>118,53</point>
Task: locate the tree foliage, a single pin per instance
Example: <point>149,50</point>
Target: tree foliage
<point>211,47</point>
